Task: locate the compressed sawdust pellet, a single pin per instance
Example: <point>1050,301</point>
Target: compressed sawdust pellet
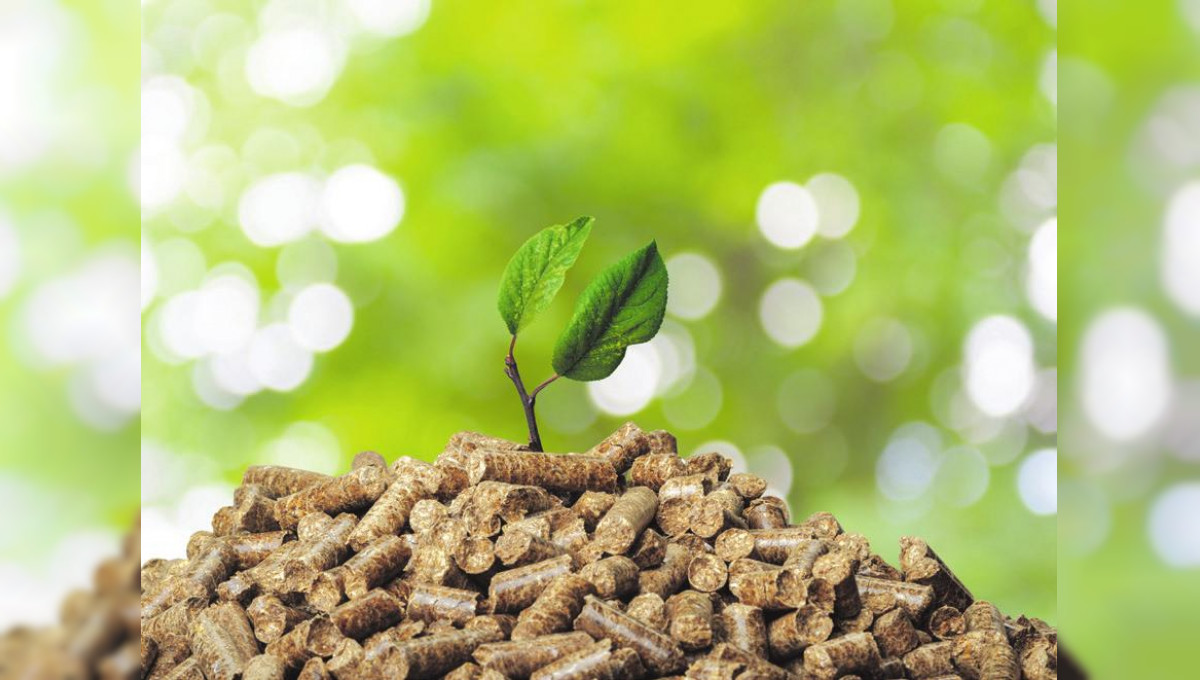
<point>498,562</point>
<point>707,572</point>
<point>430,603</point>
<point>555,608</point>
<point>793,632</point>
<point>629,515</point>
<point>612,577</point>
<point>690,619</point>
<point>516,589</point>
<point>520,658</point>
<point>658,653</point>
<point>744,627</point>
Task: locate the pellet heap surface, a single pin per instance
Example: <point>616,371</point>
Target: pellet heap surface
<point>497,562</point>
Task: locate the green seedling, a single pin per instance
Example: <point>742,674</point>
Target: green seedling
<point>622,306</point>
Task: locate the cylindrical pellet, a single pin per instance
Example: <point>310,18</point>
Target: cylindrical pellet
<point>671,576</point>
<point>659,653</point>
<point>748,486</point>
<point>555,608</point>
<point>375,565</point>
<point>622,447</point>
<point>272,618</point>
<point>520,658</point>
<point>653,469</point>
<point>895,633</point>
<point>387,516</point>
<point>264,667</point>
<point>613,577</point>
<point>922,565</point>
<point>354,491</point>
<point>592,506</point>
<point>790,634</point>
<point>674,515</point>
<point>743,626</point>
<point>632,512</point>
<point>775,545</point>
<point>880,595</point>
<point>707,572</point>
<point>838,569</point>
<point>432,603</point>
<point>312,557</point>
<point>223,641</point>
<point>734,544</point>
<point>516,589</point>
<point>686,486</point>
<point>845,655</point>
<point>434,655</point>
<point>708,668</point>
<point>368,614</point>
<point>690,619</point>
<point>554,472</point>
<point>281,481</point>
<point>946,622</point>
<point>649,609</point>
<point>314,669</point>
<point>649,550</point>
<point>930,661</point>
<point>475,555</point>
<point>516,548</point>
<point>767,512</point>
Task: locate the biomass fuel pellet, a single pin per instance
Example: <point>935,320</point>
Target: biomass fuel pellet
<point>497,562</point>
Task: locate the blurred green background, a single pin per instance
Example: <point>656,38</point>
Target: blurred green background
<point>844,192</point>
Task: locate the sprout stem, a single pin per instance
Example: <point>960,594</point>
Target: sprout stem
<point>527,400</point>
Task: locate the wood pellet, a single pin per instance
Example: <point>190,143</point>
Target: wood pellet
<point>494,562</point>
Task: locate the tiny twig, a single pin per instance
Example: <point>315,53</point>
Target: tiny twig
<point>527,400</point>
<point>544,385</point>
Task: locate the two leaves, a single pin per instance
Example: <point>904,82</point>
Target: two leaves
<point>622,306</point>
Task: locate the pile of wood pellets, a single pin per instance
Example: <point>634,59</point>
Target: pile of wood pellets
<point>97,633</point>
<point>498,562</point>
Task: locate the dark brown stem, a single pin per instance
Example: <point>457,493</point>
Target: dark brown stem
<point>527,400</point>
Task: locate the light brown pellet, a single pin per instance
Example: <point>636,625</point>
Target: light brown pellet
<point>653,469</point>
<point>555,608</point>
<point>630,514</point>
<point>516,548</point>
<point>792,633</point>
<point>591,506</point>
<point>649,550</point>
<point>368,614</point>
<point>686,486</point>
<point>387,516</point>
<point>375,565</point>
<point>516,589</point>
<point>432,656</point>
<point>271,618</point>
<point>658,653</point>
<point>707,572</point>
<point>622,447</point>
<point>690,619</point>
<point>425,514</point>
<point>431,603</point>
<point>767,512</point>
<point>519,659</point>
<point>880,595</point>
<point>930,661</point>
<point>895,633</point>
<point>711,464</point>
<point>845,655</point>
<point>747,485</point>
<point>667,579</point>
<point>674,515</point>
<point>223,641</point>
<point>612,577</point>
<point>314,669</point>
<point>356,490</point>
<point>838,568</point>
<point>650,609</point>
<point>744,627</point>
<point>264,667</point>
<point>554,472</point>
<point>921,564</point>
<point>946,622</point>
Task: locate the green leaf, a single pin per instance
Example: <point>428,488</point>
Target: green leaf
<point>536,272</point>
<point>622,306</point>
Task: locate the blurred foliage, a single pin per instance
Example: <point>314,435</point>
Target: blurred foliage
<point>70,200</point>
<point>1126,613</point>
